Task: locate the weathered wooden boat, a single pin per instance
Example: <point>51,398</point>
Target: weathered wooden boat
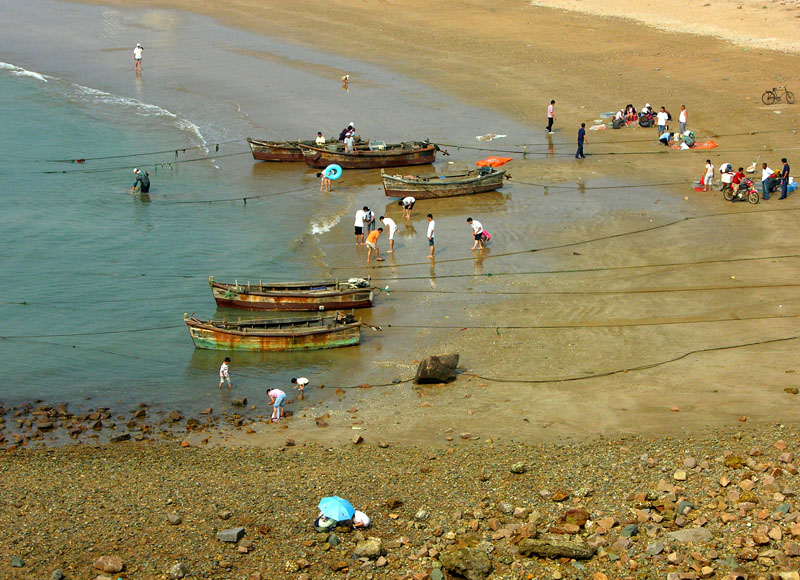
<point>330,331</point>
<point>276,150</point>
<point>295,296</point>
<point>288,150</point>
<point>446,185</point>
<point>374,156</point>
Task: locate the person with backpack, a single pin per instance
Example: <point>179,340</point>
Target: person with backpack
<point>142,180</point>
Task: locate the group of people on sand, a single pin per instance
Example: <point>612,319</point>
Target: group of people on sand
<point>771,179</point>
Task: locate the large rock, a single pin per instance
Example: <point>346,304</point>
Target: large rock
<point>178,571</point>
<point>109,564</point>
<point>437,369</point>
<point>466,563</point>
<point>690,535</point>
<point>371,548</point>
<point>555,546</point>
<point>231,535</point>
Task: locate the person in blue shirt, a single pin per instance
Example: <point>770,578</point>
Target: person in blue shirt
<point>666,137</point>
<point>581,140</point>
<point>784,179</point>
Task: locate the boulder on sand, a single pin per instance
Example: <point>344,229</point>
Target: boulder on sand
<point>437,369</point>
<point>555,546</point>
<point>466,563</point>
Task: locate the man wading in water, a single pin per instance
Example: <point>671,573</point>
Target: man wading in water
<point>142,180</point>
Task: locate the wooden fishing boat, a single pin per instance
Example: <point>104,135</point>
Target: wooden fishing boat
<point>276,150</point>
<point>306,333</point>
<point>294,296</point>
<point>288,150</point>
<point>446,185</point>
<point>375,156</point>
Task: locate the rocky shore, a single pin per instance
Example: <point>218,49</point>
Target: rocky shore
<point>723,504</point>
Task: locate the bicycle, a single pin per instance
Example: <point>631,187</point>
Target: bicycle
<point>776,95</point>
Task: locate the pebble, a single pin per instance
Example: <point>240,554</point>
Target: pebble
<point>57,574</point>
<point>17,562</point>
<point>629,530</point>
<point>178,571</point>
<point>422,515</point>
<point>109,564</point>
<point>174,519</point>
<point>519,467</point>
<point>231,535</point>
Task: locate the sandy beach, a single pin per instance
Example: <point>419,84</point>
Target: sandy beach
<point>629,342</point>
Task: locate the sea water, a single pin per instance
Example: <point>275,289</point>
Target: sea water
<point>96,280</point>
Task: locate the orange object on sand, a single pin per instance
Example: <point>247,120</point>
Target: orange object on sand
<point>493,161</point>
<point>700,145</point>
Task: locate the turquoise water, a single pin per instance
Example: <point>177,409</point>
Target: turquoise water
<point>83,257</point>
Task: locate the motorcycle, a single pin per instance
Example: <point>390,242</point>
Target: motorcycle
<point>747,192</point>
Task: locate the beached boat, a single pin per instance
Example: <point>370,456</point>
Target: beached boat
<point>276,150</point>
<point>377,155</point>
<point>446,185</point>
<point>288,150</point>
<point>294,296</point>
<point>306,333</point>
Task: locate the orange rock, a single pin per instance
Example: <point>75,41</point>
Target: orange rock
<point>185,444</point>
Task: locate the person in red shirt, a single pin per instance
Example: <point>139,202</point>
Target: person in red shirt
<point>739,179</point>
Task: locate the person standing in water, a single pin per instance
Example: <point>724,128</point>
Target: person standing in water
<point>137,57</point>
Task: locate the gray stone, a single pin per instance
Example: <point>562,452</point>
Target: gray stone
<point>16,562</point>
<point>437,369</point>
<point>556,546</point>
<point>174,519</point>
<point>684,507</point>
<point>57,574</point>
<point>422,515</point>
<point>333,540</point>
<point>690,535</point>
<point>178,571</point>
<point>231,535</point>
<point>241,402</point>
<point>371,548</point>
<point>506,508</point>
<point>120,438</point>
<point>519,467</point>
<point>784,508</point>
<point>629,530</point>
<point>654,549</point>
<point>436,574</point>
<point>466,563</point>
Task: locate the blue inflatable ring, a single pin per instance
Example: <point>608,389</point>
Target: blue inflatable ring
<point>332,172</point>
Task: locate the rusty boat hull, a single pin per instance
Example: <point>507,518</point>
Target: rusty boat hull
<point>446,185</point>
<point>283,334</point>
<point>392,155</point>
<point>294,296</point>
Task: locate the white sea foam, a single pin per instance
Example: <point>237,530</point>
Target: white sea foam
<point>21,72</point>
<point>98,97</point>
<point>324,225</point>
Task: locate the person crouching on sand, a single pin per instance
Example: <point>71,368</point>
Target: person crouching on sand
<point>372,244</point>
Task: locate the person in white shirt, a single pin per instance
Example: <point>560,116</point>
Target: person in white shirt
<point>408,204</point>
<point>767,180</point>
<point>392,225</point>
<point>224,374</point>
<point>683,118</point>
<point>708,178</point>
<point>662,118</point>
<point>360,520</point>
<point>300,385</point>
<point>349,144</point>
<point>431,227</point>
<point>137,57</point>
<point>359,225</point>
<point>477,233</point>
<point>320,139</point>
